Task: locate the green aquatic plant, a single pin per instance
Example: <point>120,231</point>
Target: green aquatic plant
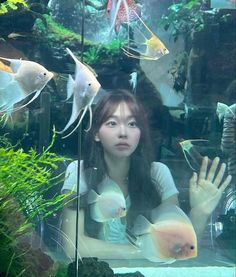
<point>91,56</point>
<point>11,5</point>
<point>53,32</point>
<point>115,46</point>
<point>183,17</point>
<point>25,177</point>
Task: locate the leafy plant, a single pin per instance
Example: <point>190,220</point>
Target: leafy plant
<point>183,17</point>
<point>11,5</point>
<point>24,180</point>
<point>115,46</point>
<point>91,56</point>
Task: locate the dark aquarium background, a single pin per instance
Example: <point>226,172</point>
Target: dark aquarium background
<point>190,96</point>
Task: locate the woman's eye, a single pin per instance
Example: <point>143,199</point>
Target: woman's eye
<point>111,123</point>
<point>133,124</point>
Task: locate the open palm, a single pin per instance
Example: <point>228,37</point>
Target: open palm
<point>207,188</point>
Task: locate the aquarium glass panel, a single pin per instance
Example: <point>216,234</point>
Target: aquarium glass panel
<point>117,138</point>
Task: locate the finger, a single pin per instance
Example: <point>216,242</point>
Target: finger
<point>212,170</point>
<point>225,183</point>
<point>220,175</point>
<point>203,169</point>
<point>193,181</point>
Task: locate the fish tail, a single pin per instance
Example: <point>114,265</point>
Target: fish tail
<point>69,123</point>
<point>92,196</point>
<point>70,87</point>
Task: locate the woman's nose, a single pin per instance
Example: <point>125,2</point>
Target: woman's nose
<point>122,131</point>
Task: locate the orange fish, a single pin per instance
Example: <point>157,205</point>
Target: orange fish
<point>121,11</point>
<point>5,67</point>
<point>169,237</point>
<point>21,79</point>
<point>147,45</point>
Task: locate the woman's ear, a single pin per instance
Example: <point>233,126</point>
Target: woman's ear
<point>96,138</point>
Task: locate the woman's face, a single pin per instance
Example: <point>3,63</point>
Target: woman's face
<point>119,134</point>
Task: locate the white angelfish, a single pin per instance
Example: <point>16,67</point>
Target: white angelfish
<point>84,88</point>
<point>222,109</point>
<point>23,78</point>
<point>109,203</point>
<point>169,237</point>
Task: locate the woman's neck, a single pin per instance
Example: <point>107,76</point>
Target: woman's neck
<point>118,169</point>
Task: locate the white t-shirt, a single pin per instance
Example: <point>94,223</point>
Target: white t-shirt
<point>114,230</point>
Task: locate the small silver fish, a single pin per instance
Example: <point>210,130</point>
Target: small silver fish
<point>108,203</point>
<point>84,88</point>
<point>169,237</point>
<point>27,77</point>
<point>133,81</point>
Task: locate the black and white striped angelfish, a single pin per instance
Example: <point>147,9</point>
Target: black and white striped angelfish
<point>228,139</point>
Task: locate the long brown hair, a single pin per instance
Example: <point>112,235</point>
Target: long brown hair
<point>142,192</point>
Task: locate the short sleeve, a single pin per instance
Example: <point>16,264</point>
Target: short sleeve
<point>70,182</point>
<point>162,177</point>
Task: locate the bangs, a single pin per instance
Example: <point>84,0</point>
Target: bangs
<point>109,103</point>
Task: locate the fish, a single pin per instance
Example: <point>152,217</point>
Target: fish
<point>121,11</point>
<point>133,81</point>
<point>84,88</point>
<point>5,67</point>
<point>16,35</point>
<point>222,109</point>
<point>109,203</point>
<point>191,154</point>
<point>167,237</point>
<point>228,138</point>
<point>27,77</point>
<point>147,45</point>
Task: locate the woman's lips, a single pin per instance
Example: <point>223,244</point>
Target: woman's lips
<point>122,145</point>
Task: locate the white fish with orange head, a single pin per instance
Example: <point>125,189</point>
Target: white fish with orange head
<point>84,88</point>
<point>20,80</point>
<point>108,203</point>
<point>170,237</point>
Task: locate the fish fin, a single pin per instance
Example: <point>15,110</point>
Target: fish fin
<point>113,25</point>
<point>150,250</point>
<point>79,63</point>
<point>96,213</point>
<point>109,187</point>
<point>80,120</point>
<point>143,23</point>
<point>14,63</point>
<point>92,196</point>
<point>10,95</point>
<point>166,212</point>
<point>141,226</point>
<point>90,118</point>
<point>74,115</point>
<point>70,87</point>
<point>5,78</point>
<point>72,55</point>
<point>31,100</point>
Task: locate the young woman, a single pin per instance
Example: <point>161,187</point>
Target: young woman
<point>118,152</point>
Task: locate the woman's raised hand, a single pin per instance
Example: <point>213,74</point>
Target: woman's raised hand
<point>206,188</point>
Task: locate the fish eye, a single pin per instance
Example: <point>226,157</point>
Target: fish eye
<point>44,73</point>
<point>192,247</point>
<point>89,84</point>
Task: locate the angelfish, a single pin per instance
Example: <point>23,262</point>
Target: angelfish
<point>109,203</point>
<point>169,237</point>
<point>84,88</point>
<point>20,80</point>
